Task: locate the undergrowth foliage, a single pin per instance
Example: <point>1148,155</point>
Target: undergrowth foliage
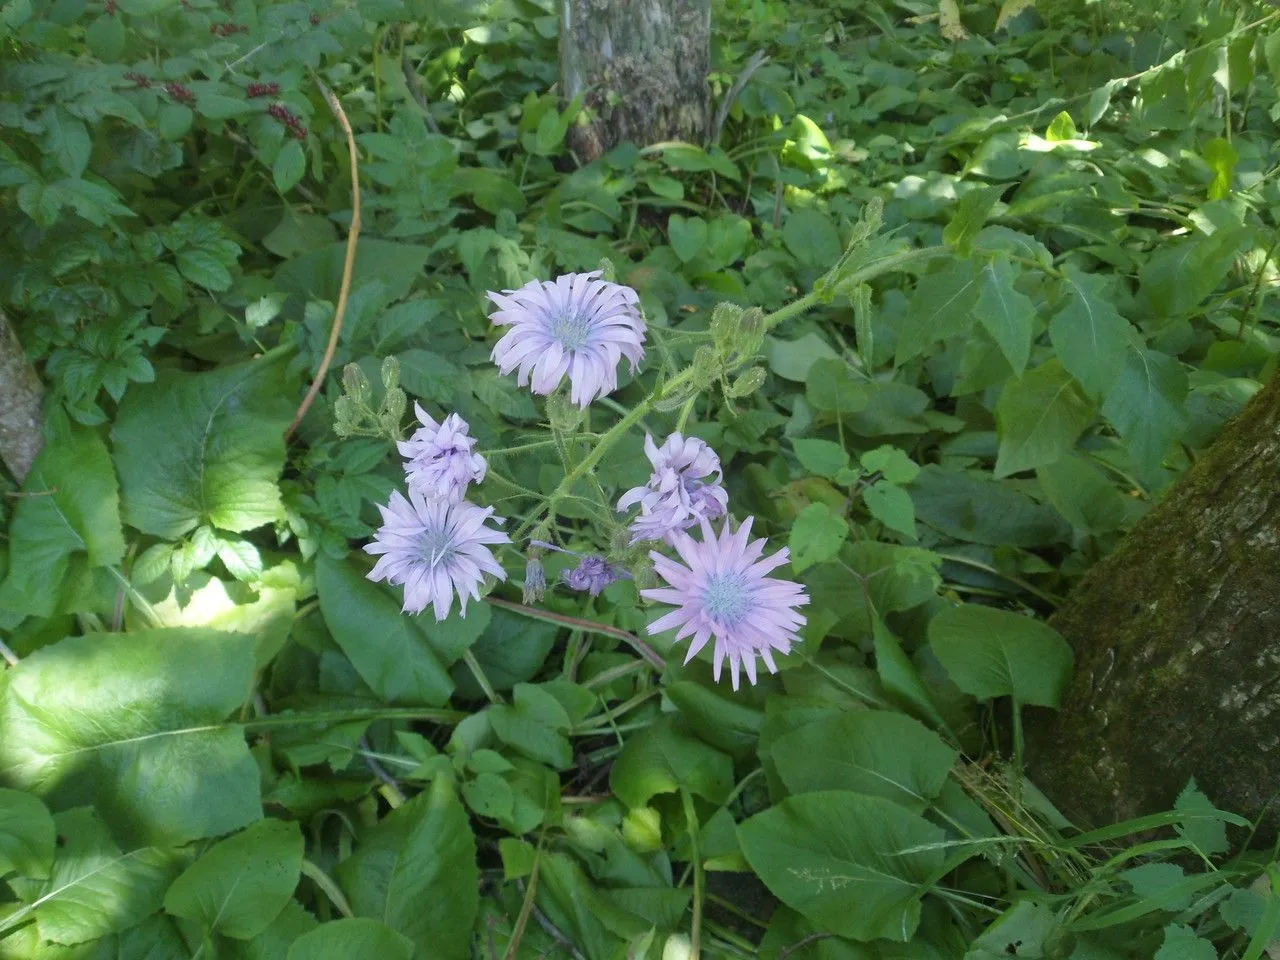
<point>953,296</point>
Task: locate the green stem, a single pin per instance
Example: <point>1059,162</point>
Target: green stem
<point>588,626</point>
<point>691,818</point>
<point>477,671</point>
<point>519,448</point>
<point>348,716</point>
<point>325,883</point>
<point>138,599</point>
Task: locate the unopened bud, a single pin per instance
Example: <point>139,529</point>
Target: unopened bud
<point>535,577</point>
<point>355,383</point>
<point>344,411</point>
<point>564,415</point>
<point>607,271</point>
<point>390,373</point>
<point>393,411</point>
<point>748,383</point>
<point>726,318</point>
<point>706,367</point>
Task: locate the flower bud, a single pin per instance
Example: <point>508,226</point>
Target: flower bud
<point>390,373</point>
<point>355,383</point>
<point>607,272</point>
<point>393,412</point>
<point>535,577</point>
<point>565,417</point>
<point>748,383</point>
<point>706,367</point>
<point>642,830</point>
<point>725,321</point>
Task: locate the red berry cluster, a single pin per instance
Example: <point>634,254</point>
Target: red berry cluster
<point>109,8</point>
<point>227,29</point>
<point>180,93</point>
<point>315,19</point>
<point>262,90</point>
<point>294,125</point>
<point>140,80</point>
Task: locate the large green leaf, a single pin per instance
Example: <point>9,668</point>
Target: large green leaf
<point>1005,313</point>
<point>350,938</point>
<point>1088,334</point>
<point>854,865</point>
<point>71,507</point>
<point>1181,273</point>
<point>94,889</point>
<point>132,723</point>
<point>416,871</point>
<point>274,942</point>
<point>197,448</point>
<point>994,653</point>
<point>387,647</point>
<point>26,835</point>
<point>940,308</point>
<point>239,886</point>
<point>875,752</point>
<point>1041,415</point>
<point>663,758</point>
<point>536,726</point>
<point>1147,405</point>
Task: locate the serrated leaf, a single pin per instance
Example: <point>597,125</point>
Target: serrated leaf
<point>70,508</point>
<point>1005,313</point>
<point>1041,415</point>
<point>812,238</point>
<point>130,723</point>
<point>196,448</point>
<point>821,457</point>
<point>940,308</point>
<point>1209,836</point>
<point>67,140</point>
<point>970,217</point>
<point>1089,335</point>
<point>203,268</point>
<point>239,886</point>
<point>892,506</point>
<point>816,536</point>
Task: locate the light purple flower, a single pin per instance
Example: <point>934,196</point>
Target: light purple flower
<point>593,574</point>
<point>578,325</point>
<point>679,493</point>
<point>435,549</point>
<point>723,591</point>
<point>439,458</point>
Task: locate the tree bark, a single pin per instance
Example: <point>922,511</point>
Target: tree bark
<point>1177,642</point>
<point>641,66</point>
<point>20,397</point>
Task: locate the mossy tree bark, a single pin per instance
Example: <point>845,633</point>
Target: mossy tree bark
<point>20,397</point>
<point>641,66</point>
<point>1177,641</point>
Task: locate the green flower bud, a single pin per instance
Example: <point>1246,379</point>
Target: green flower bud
<point>393,412</point>
<point>748,383</point>
<point>726,319</point>
<point>355,383</point>
<point>607,271</point>
<point>565,416</point>
<point>390,373</point>
<point>706,367</point>
<point>642,830</point>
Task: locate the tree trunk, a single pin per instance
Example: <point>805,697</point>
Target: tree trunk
<point>641,66</point>
<point>1177,641</point>
<point>20,394</point>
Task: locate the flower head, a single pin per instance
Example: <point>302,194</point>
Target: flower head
<point>679,493</point>
<point>578,325</point>
<point>723,591</point>
<point>435,549</point>
<point>593,574</point>
<point>439,458</point>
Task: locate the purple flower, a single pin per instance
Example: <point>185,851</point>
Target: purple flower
<point>578,324</point>
<point>435,549</point>
<point>593,574</point>
<point>679,493</point>
<point>439,461</point>
<point>724,591</point>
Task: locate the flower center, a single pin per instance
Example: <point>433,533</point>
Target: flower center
<point>435,546</point>
<point>570,330</point>
<point>726,597</point>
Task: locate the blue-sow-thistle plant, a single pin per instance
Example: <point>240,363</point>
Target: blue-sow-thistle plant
<point>581,326</point>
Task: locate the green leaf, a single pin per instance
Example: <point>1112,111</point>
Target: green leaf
<point>994,653</point>
<point>1181,943</point>
<point>663,758</point>
<point>133,723</point>
<point>899,675</point>
<point>973,507</point>
<point>688,236</point>
<point>105,37</point>
<point>1062,127</point>
<point>812,238</point>
<point>67,141</point>
<point>289,166</point>
<point>792,359</point>
<point>274,942</point>
<point>891,463</point>
<point>1084,495</point>
<point>218,106</point>
<point>509,651</point>
<point>197,448</point>
<point>816,536</point>
<point>1209,836</point>
<point>875,752</point>
<point>94,889</point>
<point>1089,335</point>
<point>387,647</point>
<point>1182,273</point>
<point>416,871</point>
<point>26,835</point>
<point>71,507</point>
<point>941,308</point>
<point>1021,931</point>
<point>1041,415</point>
<point>349,938</point>
<point>821,457</point>
<point>1222,158</point>
<point>1147,405</point>
<point>970,217</point>
<point>240,885</point>
<point>817,851</point>
<point>1005,313</point>
<point>536,726</point>
<point>174,120</point>
<point>892,506</point>
<point>832,386</point>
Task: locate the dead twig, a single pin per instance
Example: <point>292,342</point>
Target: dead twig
<point>414,83</point>
<point>348,265</point>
